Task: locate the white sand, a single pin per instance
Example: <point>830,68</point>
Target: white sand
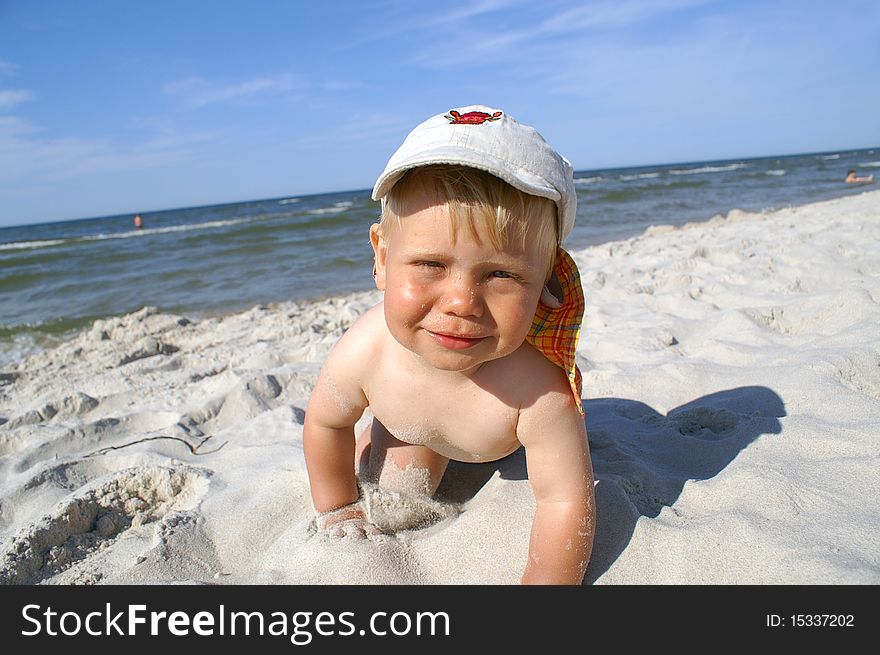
<point>732,385</point>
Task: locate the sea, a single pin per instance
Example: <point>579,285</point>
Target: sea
<point>57,278</point>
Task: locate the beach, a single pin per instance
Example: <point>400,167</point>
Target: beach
<point>732,396</point>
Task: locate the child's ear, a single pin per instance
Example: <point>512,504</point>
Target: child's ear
<point>380,250</point>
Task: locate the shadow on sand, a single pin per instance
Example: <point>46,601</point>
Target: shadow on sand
<point>642,459</point>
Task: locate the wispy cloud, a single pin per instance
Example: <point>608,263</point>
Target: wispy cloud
<point>9,98</point>
<point>469,10</point>
<point>473,35</point>
<point>610,15</point>
<point>356,129</point>
<point>27,155</point>
<point>14,127</point>
<point>197,92</point>
<point>407,21</point>
<point>7,68</point>
<point>340,85</point>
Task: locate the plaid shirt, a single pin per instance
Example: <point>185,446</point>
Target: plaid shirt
<point>555,332</point>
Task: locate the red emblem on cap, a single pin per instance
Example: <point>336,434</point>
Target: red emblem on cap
<point>471,118</point>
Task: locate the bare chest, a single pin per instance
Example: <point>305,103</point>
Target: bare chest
<point>461,421</point>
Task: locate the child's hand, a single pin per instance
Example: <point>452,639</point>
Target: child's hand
<point>347,521</point>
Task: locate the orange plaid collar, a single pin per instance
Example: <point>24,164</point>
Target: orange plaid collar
<point>555,331</point>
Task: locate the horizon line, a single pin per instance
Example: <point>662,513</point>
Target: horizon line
<point>363,189</point>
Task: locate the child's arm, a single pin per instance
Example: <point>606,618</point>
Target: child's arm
<point>561,474</point>
<point>335,405</point>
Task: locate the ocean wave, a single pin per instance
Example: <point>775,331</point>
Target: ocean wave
<point>707,169</point>
<point>165,230</point>
<point>335,209</point>
<point>870,164</point>
<point>29,245</point>
<point>24,339</point>
<point>639,176</point>
<point>16,349</point>
<point>287,201</point>
<point>828,157</point>
<point>588,180</point>
<point>776,171</point>
<point>128,234</point>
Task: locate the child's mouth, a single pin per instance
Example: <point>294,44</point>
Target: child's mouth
<point>454,342</point>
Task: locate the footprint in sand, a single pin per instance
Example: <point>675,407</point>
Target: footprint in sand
<point>76,405</point>
<point>705,422</point>
<point>61,439</point>
<point>823,314</point>
<point>860,372</point>
<point>247,399</point>
<point>27,500</point>
<point>96,515</point>
<point>56,441</point>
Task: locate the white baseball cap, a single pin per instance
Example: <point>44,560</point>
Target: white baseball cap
<point>490,140</point>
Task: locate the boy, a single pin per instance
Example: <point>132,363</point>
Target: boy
<point>470,355</point>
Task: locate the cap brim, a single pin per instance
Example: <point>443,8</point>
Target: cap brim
<point>459,156</point>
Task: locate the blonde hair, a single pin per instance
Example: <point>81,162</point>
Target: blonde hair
<point>475,199</point>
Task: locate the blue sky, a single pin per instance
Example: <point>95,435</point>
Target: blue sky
<point>117,107</point>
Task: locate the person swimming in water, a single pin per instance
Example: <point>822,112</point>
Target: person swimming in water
<point>852,178</point>
<point>138,222</point>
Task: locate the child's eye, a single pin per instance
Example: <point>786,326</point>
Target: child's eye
<point>429,265</point>
<point>504,275</point>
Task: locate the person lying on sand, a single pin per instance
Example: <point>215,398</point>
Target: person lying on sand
<point>470,355</point>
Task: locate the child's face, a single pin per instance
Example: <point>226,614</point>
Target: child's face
<point>456,305</point>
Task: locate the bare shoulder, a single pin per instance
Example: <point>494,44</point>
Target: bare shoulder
<point>352,358</point>
<point>338,398</point>
<point>546,403</point>
<point>362,341</point>
<point>529,377</point>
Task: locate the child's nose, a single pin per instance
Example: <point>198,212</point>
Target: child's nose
<point>462,297</point>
